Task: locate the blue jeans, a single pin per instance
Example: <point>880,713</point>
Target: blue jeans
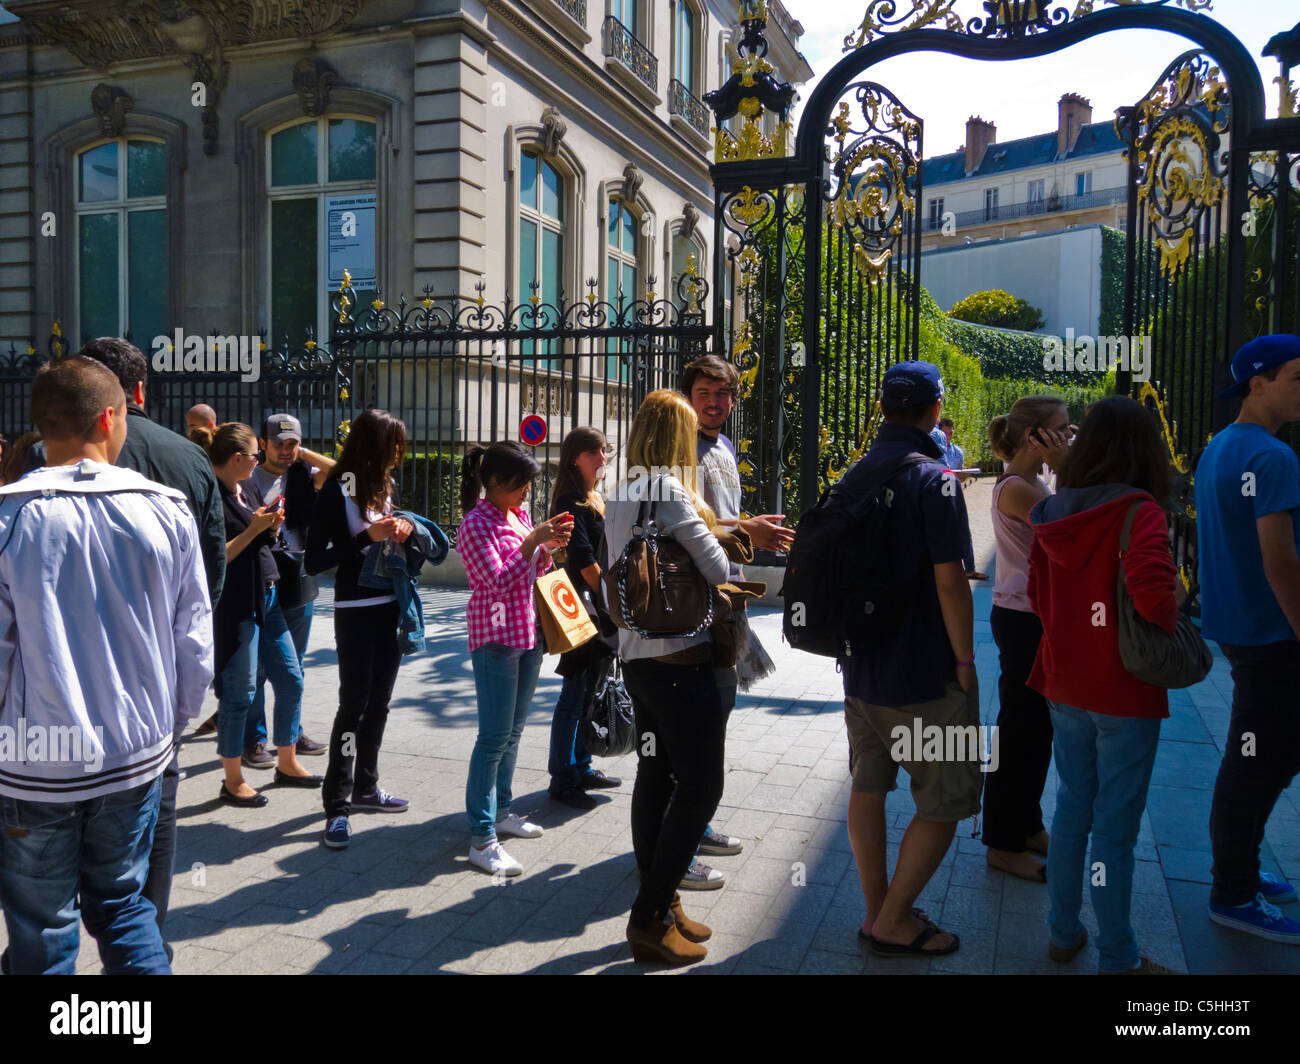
<point>298,621</point>
<point>504,681</point>
<point>271,648</point>
<point>51,852</point>
<point>1104,764</point>
<point>569,759</point>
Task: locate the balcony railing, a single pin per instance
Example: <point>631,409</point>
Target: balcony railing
<point>1053,205</point>
<point>576,9</point>
<point>620,44</point>
<point>681,101</point>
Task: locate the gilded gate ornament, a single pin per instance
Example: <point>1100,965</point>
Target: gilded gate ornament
<point>1002,18</point>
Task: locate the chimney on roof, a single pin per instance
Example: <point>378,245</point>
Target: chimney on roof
<point>1073,113</point>
<point>979,135</point>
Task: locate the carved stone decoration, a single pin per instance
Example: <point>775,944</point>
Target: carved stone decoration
<point>111,105</point>
<point>554,127</point>
<point>312,81</point>
<point>210,69</point>
<point>690,219</point>
<point>633,179</point>
<point>100,34</point>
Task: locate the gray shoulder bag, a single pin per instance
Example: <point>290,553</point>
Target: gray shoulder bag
<point>1163,659</point>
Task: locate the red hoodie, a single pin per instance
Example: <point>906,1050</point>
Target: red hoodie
<point>1073,566</point>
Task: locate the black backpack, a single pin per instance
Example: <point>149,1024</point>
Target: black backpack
<point>840,590</point>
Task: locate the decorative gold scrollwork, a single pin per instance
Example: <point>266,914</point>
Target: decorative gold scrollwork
<point>1178,154</point>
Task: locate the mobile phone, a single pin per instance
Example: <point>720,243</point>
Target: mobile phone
<point>272,505</point>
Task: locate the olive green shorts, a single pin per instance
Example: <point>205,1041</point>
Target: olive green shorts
<point>944,764</point>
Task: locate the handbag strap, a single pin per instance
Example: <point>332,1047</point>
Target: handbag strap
<point>1126,533</point>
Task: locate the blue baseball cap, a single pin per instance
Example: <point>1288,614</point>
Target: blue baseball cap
<point>1259,355</point>
<point>911,384</point>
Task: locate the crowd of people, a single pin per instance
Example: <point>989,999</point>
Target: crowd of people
<point>138,568</point>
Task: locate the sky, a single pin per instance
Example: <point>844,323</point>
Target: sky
<point>1020,97</point>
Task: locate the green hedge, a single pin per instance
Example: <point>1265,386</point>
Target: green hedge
<point>997,307</point>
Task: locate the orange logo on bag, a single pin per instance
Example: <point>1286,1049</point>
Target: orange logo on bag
<point>564,600</point>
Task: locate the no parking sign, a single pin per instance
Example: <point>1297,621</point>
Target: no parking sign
<point>532,430</point>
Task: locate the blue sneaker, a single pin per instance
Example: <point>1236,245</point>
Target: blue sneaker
<point>1258,918</point>
<point>338,832</point>
<point>379,801</point>
<point>1276,890</point>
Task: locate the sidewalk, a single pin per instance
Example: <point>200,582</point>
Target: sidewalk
<point>256,892</point>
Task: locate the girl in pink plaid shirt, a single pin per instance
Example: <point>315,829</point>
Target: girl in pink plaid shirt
<point>503,555</point>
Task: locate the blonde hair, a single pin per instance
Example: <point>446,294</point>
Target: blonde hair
<point>1007,431</point>
<point>664,436</point>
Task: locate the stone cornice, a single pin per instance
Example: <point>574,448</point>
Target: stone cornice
<point>101,34</point>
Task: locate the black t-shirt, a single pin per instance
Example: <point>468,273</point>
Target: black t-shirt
<point>586,547</point>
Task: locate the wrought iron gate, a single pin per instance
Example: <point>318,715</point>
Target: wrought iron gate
<point>817,288</point>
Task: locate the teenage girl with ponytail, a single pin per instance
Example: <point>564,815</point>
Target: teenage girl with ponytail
<point>1034,432</point>
<point>503,555</point>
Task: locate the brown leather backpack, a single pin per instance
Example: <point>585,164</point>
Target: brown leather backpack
<point>654,589</point>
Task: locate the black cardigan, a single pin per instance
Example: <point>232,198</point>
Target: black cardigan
<point>331,545</point>
<point>586,546</point>
<point>243,595</point>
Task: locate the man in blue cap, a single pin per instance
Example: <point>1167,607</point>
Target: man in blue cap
<point>1248,543</point>
<point>918,675</point>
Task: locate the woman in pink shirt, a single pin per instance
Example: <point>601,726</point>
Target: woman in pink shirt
<point>1035,431</point>
<point>503,555</point>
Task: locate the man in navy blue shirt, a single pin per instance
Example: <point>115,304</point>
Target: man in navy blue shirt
<point>918,680</point>
<point>1248,542</point>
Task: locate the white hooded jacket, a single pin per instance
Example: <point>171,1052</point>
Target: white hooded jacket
<point>105,631</point>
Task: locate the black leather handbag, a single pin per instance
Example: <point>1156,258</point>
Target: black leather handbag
<point>608,724</point>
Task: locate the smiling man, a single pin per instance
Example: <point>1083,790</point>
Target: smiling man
<point>1248,543</point>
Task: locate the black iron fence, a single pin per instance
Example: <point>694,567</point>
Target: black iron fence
<point>457,372</point>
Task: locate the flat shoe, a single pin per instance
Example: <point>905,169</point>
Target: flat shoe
<point>253,801</point>
<point>1063,954</point>
<point>298,781</point>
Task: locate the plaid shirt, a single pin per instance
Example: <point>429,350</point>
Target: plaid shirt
<point>500,579</point>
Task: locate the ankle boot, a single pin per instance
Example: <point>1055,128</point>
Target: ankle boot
<point>661,944</point>
<point>691,930</point>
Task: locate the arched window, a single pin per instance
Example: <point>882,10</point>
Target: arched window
<point>542,197</point>
<point>321,184</point>
<point>123,268</point>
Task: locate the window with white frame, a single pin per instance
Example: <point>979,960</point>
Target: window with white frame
<point>1035,195</point>
<point>628,12</point>
<point>321,184</point>
<point>1083,183</point>
<point>686,34</point>
<point>123,270</point>
<point>542,196</point>
<point>622,262</point>
<point>990,204</point>
<point>936,212</point>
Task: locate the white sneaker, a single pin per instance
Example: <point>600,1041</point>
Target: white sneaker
<point>492,858</point>
<point>514,824</point>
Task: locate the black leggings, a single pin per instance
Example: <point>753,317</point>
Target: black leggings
<point>366,640</point>
<point>680,726</point>
<point>1012,793</point>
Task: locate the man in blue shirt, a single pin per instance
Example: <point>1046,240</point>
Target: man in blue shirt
<point>918,677</point>
<point>1248,542</point>
<point>954,458</point>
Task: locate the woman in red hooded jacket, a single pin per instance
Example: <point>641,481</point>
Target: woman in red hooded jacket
<point>1106,722</point>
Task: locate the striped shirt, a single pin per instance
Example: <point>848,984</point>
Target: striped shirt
<point>500,578</point>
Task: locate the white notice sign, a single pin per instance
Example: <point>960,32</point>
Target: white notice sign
<point>350,222</point>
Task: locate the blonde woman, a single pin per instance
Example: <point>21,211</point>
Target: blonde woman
<point>1034,432</point>
<point>679,716</point>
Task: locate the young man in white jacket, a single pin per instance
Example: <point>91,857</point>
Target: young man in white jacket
<point>105,653</point>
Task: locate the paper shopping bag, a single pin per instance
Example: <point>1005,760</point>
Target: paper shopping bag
<point>565,622</point>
